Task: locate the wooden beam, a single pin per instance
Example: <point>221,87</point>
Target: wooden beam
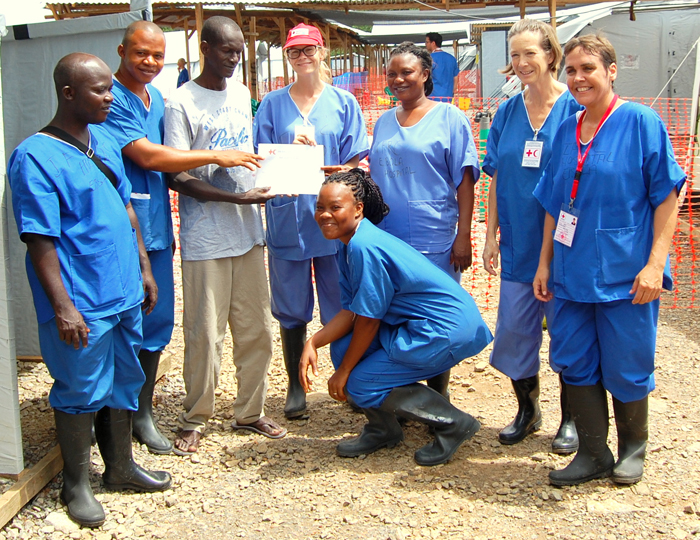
<point>25,358</point>
<point>187,46</point>
<point>239,16</point>
<point>269,68</point>
<point>252,64</point>
<point>552,12</point>
<point>29,484</point>
<point>281,22</point>
<point>522,9</point>
<point>199,22</point>
<point>345,53</point>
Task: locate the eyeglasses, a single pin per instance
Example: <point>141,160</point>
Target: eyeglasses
<point>309,51</point>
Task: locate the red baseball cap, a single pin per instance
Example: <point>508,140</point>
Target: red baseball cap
<point>303,34</point>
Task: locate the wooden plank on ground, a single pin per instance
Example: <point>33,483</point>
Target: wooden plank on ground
<point>29,485</point>
<point>25,358</point>
<point>166,362</point>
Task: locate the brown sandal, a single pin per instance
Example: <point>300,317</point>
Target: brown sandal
<point>191,438</point>
<point>263,426</point>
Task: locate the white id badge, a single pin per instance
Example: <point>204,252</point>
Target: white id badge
<point>566,226</point>
<point>532,154</point>
<point>305,129</point>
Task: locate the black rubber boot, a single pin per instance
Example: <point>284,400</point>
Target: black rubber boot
<point>632,435</point>
<point>73,432</point>
<point>589,407</point>
<point>293,341</point>
<point>382,430</point>
<point>566,439</point>
<point>451,426</point>
<point>113,429</point>
<point>144,427</point>
<point>441,384</point>
<point>529,417</point>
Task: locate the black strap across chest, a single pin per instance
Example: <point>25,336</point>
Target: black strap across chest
<point>67,137</point>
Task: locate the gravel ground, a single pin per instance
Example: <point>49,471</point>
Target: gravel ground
<point>246,486</point>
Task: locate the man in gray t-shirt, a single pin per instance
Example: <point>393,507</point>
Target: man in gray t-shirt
<point>223,271</point>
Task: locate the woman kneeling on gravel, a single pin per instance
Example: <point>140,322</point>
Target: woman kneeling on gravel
<point>403,320</point>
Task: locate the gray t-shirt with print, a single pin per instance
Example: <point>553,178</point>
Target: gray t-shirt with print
<point>200,119</point>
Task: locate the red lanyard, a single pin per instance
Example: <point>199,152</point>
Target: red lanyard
<point>582,159</point>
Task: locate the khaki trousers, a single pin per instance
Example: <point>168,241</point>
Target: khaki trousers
<point>233,290</point>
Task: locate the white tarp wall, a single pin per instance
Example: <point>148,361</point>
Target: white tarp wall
<point>650,49</point>
<point>11,457</point>
<point>27,58</point>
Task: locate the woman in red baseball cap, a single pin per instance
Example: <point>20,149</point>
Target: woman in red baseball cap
<point>309,111</point>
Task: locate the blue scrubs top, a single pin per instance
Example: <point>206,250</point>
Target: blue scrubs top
<point>445,69</point>
<point>183,77</point>
<point>630,171</point>
<point>426,316</point>
<point>129,120</point>
<point>520,216</point>
<point>57,191</point>
<point>292,232</point>
<point>419,169</point>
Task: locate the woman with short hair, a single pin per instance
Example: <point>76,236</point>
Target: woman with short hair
<point>611,196</point>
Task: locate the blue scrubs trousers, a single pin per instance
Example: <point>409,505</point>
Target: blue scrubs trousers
<point>292,289</point>
<point>158,325</point>
<point>106,373</point>
<point>612,342</point>
<point>516,345</point>
<point>376,375</point>
<point>442,260</point>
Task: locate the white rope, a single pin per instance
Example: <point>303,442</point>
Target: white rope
<point>677,70</point>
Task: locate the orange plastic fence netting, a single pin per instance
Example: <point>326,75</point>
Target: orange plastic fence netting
<point>675,112</point>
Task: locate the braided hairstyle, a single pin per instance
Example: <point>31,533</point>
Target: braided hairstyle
<point>364,190</point>
<point>423,55</point>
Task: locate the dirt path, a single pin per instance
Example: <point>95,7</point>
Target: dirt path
<point>245,486</point>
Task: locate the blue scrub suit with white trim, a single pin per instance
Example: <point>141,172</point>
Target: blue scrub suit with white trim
<point>429,323</point>
<point>518,338</point>
<point>130,120</point>
<point>598,334</point>
<point>419,169</point>
<point>294,241</point>
<point>58,192</point>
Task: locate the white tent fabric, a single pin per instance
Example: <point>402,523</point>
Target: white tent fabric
<point>11,456</point>
<point>650,50</point>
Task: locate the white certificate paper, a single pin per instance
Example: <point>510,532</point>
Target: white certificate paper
<point>290,169</point>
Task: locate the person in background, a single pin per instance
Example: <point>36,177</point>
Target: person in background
<point>183,75</point>
<point>518,149</point>
<point>424,160</point>
<point>610,192</point>
<point>221,238</point>
<point>84,249</point>
<point>309,111</point>
<point>445,70</point>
